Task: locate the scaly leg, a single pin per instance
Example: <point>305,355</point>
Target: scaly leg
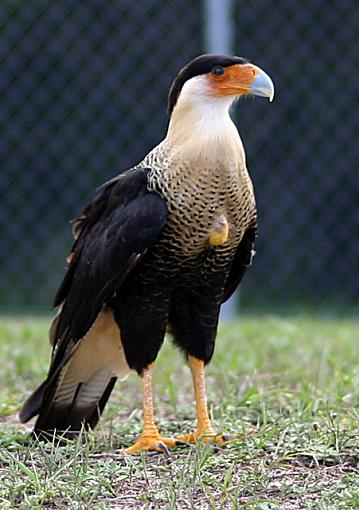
<point>150,439</point>
<point>204,431</point>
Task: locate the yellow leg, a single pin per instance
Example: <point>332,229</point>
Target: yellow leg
<point>204,431</point>
<point>150,439</point>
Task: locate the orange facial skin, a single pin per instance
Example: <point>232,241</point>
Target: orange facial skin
<point>236,80</point>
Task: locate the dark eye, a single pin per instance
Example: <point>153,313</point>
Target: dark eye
<point>218,71</point>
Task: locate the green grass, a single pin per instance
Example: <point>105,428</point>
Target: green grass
<point>286,388</point>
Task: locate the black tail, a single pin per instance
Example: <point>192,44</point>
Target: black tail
<point>65,405</point>
<point>75,395</point>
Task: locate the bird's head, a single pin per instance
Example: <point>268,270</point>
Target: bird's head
<point>218,78</point>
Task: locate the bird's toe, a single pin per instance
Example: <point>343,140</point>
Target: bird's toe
<point>153,444</point>
<point>203,437</point>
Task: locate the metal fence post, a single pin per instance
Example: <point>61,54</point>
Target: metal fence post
<point>218,26</point>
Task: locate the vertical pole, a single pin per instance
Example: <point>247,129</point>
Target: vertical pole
<point>218,38</point>
<point>218,26</point>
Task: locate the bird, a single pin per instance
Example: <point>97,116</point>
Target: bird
<point>159,249</point>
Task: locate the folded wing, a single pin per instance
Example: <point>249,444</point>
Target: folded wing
<point>112,235</point>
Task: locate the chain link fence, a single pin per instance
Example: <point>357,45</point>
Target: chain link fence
<point>83,90</point>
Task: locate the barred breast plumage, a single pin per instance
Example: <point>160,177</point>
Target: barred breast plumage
<point>199,190</point>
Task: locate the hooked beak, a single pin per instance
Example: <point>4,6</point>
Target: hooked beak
<point>241,79</point>
<point>261,85</point>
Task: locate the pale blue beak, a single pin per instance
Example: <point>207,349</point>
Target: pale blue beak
<point>262,85</point>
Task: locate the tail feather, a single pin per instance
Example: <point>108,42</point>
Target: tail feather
<point>79,406</point>
<point>33,404</point>
<point>77,394</point>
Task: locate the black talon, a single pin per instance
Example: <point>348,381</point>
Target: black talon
<point>164,448</point>
<point>226,437</point>
<point>178,442</point>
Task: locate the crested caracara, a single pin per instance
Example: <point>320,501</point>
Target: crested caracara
<point>161,246</point>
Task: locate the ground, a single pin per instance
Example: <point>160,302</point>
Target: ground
<point>285,387</point>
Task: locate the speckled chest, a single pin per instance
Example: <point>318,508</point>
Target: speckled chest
<point>196,197</point>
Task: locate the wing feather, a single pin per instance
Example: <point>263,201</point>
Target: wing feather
<point>113,233</point>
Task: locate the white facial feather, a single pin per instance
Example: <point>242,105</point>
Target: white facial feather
<point>200,121</point>
<point>211,112</point>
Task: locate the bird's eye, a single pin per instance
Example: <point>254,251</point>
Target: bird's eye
<point>218,71</point>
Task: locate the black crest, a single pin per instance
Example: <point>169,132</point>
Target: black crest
<point>200,65</point>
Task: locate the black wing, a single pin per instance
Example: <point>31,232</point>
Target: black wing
<point>242,260</point>
<point>114,232</point>
<point>112,235</point>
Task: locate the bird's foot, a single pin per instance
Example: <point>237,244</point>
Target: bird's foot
<point>155,443</point>
<point>199,436</point>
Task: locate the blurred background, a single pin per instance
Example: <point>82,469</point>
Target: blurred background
<point>83,89</point>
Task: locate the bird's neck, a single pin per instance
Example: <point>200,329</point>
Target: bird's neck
<point>204,129</point>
